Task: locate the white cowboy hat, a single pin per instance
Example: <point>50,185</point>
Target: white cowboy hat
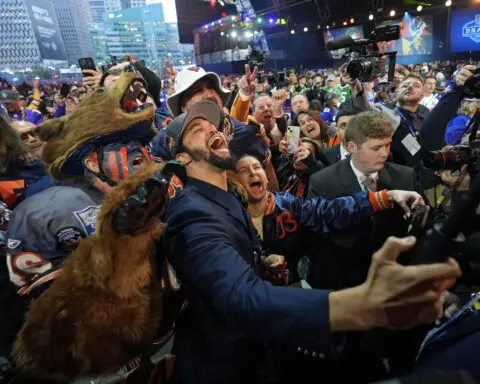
<point>185,79</point>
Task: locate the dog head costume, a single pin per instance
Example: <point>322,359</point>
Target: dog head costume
<point>106,305</point>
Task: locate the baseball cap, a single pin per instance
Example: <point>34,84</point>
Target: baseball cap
<point>206,109</point>
<point>331,78</point>
<point>7,96</point>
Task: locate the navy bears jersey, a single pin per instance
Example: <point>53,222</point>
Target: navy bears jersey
<point>44,230</point>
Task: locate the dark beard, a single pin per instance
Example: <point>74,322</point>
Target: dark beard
<point>223,163</point>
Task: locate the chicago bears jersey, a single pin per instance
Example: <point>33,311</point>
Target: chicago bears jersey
<point>44,230</point>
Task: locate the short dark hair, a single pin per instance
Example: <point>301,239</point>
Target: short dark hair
<point>347,110</point>
<point>368,125</point>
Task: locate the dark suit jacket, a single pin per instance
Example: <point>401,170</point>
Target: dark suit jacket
<point>332,155</point>
<point>342,259</point>
<point>210,242</point>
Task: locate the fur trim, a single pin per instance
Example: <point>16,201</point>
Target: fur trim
<point>103,309</point>
<point>98,115</point>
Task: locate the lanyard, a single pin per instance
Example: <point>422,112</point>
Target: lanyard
<point>435,333</point>
<point>413,131</point>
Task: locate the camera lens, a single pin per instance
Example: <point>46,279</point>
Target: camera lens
<point>359,68</point>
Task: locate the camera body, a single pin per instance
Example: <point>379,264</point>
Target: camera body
<point>472,85</point>
<point>364,59</point>
<point>455,157</point>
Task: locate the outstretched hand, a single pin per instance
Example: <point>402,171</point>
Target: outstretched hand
<point>404,296</point>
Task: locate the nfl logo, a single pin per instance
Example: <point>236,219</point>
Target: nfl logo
<point>477,19</point>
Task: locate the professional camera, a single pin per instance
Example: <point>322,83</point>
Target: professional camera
<point>472,85</point>
<point>455,157</point>
<point>364,59</point>
<point>257,59</point>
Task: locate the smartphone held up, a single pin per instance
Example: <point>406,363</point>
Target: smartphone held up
<point>293,139</point>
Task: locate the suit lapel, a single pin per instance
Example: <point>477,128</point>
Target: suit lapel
<point>384,179</point>
<point>220,197</point>
<point>348,178</point>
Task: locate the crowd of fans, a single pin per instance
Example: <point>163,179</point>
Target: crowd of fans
<point>319,211</point>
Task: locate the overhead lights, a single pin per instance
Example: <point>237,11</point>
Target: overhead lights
<point>292,32</point>
<point>448,3</point>
<point>345,23</point>
<point>370,17</point>
<point>392,13</point>
<point>305,29</point>
<point>419,8</point>
<point>222,33</point>
<point>233,34</point>
<point>352,20</point>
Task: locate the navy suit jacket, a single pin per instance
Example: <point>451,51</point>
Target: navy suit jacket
<point>210,242</point>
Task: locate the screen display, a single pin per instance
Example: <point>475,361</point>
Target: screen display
<point>465,30</point>
<point>46,30</point>
<point>415,36</point>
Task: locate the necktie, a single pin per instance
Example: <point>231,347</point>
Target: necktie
<point>370,184</point>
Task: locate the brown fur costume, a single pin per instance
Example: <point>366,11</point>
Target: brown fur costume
<point>104,307</point>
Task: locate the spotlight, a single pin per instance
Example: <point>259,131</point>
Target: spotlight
<point>234,34</point>
<point>448,3</point>
<point>259,20</point>
<point>212,24</point>
<point>270,21</point>
<point>221,3</point>
<point>292,32</point>
<point>233,18</point>
<point>328,27</point>
<point>352,20</point>
<point>370,17</point>
<point>392,13</point>
<point>222,33</point>
<point>305,29</point>
<point>345,23</point>
<point>206,26</point>
<point>419,8</point>
<point>247,19</point>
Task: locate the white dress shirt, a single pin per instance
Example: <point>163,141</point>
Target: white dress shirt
<point>343,152</point>
<point>430,102</point>
<point>361,177</point>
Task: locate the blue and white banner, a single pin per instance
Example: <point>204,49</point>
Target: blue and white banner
<point>465,30</point>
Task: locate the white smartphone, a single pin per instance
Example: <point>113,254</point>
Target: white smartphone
<point>293,137</point>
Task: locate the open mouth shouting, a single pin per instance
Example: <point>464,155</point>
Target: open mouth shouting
<point>256,187</point>
<point>135,97</point>
<point>218,145</point>
<point>311,129</point>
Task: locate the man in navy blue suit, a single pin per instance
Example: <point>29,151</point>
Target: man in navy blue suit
<point>210,242</point>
